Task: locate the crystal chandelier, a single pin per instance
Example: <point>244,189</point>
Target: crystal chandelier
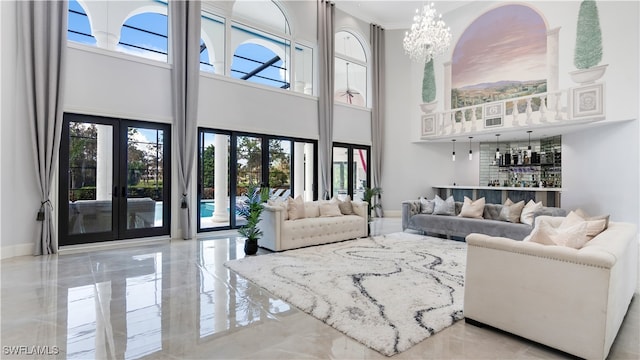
<point>429,36</point>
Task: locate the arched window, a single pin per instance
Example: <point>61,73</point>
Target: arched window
<point>262,47</point>
<point>350,70</point>
<point>145,35</point>
<point>79,26</point>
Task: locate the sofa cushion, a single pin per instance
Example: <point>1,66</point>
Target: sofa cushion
<point>472,208</point>
<point>296,208</point>
<point>586,216</point>
<point>528,213</point>
<point>444,207</point>
<point>427,206</point>
<point>492,211</point>
<point>511,213</point>
<point>329,209</point>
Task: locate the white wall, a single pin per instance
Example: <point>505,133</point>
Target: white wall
<point>431,162</point>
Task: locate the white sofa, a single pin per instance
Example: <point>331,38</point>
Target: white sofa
<point>571,300</point>
<point>280,234</point>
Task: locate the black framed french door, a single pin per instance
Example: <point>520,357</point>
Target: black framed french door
<point>350,170</point>
<point>229,161</point>
<point>114,179</point>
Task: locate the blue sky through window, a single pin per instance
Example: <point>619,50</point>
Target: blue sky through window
<point>146,35</point>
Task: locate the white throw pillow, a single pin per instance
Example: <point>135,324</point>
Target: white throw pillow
<point>296,208</point>
<point>472,208</point>
<point>594,227</point>
<point>444,207</point>
<point>345,206</point>
<point>426,205</point>
<point>574,236</point>
<point>329,209</point>
<point>511,213</point>
<point>527,215</point>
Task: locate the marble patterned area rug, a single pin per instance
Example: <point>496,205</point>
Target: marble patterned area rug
<point>388,292</point>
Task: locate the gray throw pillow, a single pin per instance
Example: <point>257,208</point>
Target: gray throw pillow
<point>444,207</point>
<point>426,206</point>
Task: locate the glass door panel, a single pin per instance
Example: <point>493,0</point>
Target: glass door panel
<point>360,169</point>
<point>340,172</point>
<point>214,180</point>
<point>248,169</point>
<point>90,178</point>
<point>144,178</point>
<point>280,168</point>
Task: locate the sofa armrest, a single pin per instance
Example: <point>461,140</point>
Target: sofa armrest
<point>409,208</point>
<point>271,223</point>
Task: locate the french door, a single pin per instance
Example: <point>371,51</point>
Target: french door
<point>114,179</point>
<point>350,170</point>
<point>230,161</point>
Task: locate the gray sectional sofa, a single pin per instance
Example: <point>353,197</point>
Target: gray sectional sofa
<point>461,227</point>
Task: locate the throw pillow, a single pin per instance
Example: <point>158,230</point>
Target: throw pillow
<point>594,227</point>
<point>296,208</point>
<point>345,206</point>
<point>329,209</point>
<point>573,236</point>
<point>426,205</point>
<point>444,207</point>
<point>528,212</point>
<point>280,203</point>
<point>511,213</point>
<point>508,202</point>
<point>585,216</point>
<point>472,208</point>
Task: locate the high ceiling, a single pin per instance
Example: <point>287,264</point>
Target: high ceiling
<point>392,14</point>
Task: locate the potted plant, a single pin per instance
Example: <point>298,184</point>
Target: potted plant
<point>251,210</point>
<point>371,196</point>
<point>428,88</point>
<point>588,50</point>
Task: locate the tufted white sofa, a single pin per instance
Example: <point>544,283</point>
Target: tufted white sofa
<point>572,300</point>
<point>280,234</point>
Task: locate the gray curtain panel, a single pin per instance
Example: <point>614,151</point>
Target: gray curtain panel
<point>326,51</point>
<point>377,110</point>
<point>43,41</point>
<point>185,19</point>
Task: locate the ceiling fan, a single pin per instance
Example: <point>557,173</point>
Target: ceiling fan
<point>349,93</point>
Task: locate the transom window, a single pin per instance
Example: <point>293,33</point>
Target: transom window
<point>350,70</point>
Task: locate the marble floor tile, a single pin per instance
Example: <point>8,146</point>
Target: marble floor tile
<point>176,300</point>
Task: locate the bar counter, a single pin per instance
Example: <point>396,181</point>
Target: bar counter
<point>498,194</point>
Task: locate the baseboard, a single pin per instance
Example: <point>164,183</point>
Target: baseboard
<point>10,251</point>
<point>393,213</point>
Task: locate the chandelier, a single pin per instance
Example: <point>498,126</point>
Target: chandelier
<point>429,36</point>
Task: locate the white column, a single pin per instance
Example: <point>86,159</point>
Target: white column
<point>298,175</point>
<point>104,162</point>
<point>308,172</point>
<point>221,165</point>
<point>218,67</point>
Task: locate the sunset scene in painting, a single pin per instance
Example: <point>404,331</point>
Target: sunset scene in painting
<point>501,55</point>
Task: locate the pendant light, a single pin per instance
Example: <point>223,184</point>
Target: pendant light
<point>497,148</point>
<point>453,155</point>
<point>470,151</point>
<point>529,147</point>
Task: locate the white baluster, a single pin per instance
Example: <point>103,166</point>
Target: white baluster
<point>543,109</point>
<point>514,113</point>
<point>558,105</point>
<point>474,119</point>
<point>529,111</point>
<point>463,121</point>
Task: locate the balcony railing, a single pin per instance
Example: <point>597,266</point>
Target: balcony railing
<point>577,105</point>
